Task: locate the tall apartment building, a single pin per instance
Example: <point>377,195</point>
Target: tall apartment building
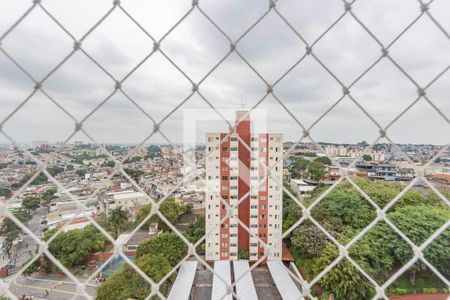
<point>232,171</point>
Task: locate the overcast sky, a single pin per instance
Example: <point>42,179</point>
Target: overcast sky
<point>196,47</point>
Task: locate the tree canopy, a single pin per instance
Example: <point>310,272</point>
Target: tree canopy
<point>31,203</point>
<point>344,212</point>
<point>167,244</point>
<point>74,246</point>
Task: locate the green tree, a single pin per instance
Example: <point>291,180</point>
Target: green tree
<point>73,247</point>
<point>195,230</point>
<point>309,239</point>
<point>316,171</point>
<point>109,164</point>
<point>343,281</point>
<point>118,221</point>
<point>31,203</point>
<point>323,160</point>
<point>134,174</point>
<point>418,223</point>
<point>367,157</point>
<point>127,284</point>
<point>48,195</point>
<point>380,250</point>
<point>10,230</point>
<point>167,244</point>
<point>244,254</point>
<point>344,210</point>
<point>5,192</point>
<point>299,167</point>
<point>170,209</point>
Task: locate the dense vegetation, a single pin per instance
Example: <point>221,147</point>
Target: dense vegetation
<point>156,256</point>
<point>10,230</point>
<point>307,169</point>
<point>73,247</point>
<point>380,252</point>
<point>41,178</point>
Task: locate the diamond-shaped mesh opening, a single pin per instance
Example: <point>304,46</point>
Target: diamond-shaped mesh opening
<point>300,15</point>
<point>432,66</point>
<point>418,279</point>
<point>386,19</point>
<point>299,89</point>
<point>381,192</point>
<point>359,52</point>
<point>224,90</point>
<point>308,244</point>
<point>391,88</point>
<point>262,38</point>
<point>199,58</point>
<point>84,93</point>
<point>108,43</point>
<point>419,213</point>
<point>157,74</point>
<point>51,42</point>
<point>381,252</point>
<point>50,124</point>
<point>127,283</point>
<point>292,211</point>
<point>337,283</point>
<point>438,254</point>
<point>344,212</point>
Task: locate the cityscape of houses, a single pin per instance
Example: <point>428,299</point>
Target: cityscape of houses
<point>226,169</point>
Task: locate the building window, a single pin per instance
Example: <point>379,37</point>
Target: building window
<point>224,149</point>
<point>224,177</point>
<point>224,254</point>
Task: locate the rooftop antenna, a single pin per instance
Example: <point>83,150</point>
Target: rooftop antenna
<point>242,103</point>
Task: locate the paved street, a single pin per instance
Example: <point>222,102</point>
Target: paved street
<point>57,289</point>
<point>27,248</point>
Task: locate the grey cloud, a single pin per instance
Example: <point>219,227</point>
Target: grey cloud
<point>196,46</point>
